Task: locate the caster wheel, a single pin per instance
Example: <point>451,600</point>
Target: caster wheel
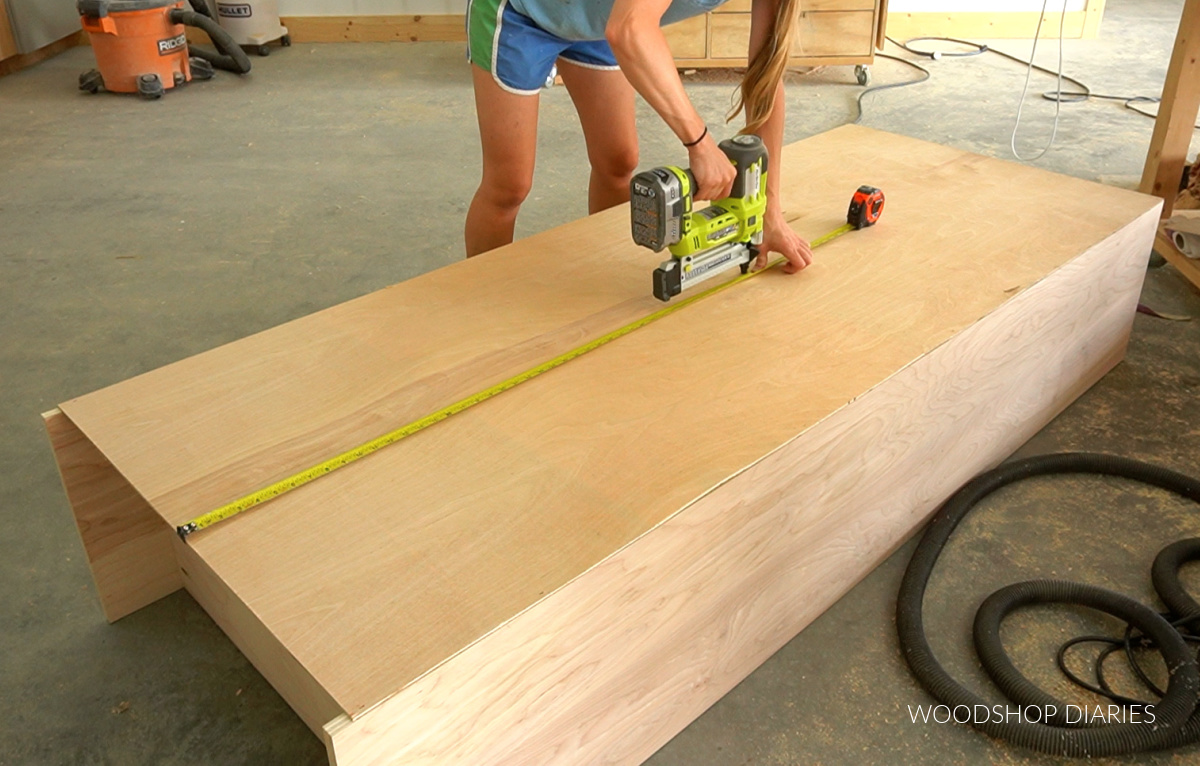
<point>150,87</point>
<point>91,81</point>
<point>201,69</point>
<point>263,50</point>
<point>286,41</point>
<point>862,74</point>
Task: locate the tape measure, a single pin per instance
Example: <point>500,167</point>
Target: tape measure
<point>329,466</point>
<point>865,207</point>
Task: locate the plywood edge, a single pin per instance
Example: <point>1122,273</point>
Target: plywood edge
<point>128,545</point>
<point>268,655</point>
<point>989,24</point>
<point>709,594</point>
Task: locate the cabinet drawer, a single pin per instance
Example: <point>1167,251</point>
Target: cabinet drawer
<point>743,6</point>
<point>824,33</point>
<point>689,38</point>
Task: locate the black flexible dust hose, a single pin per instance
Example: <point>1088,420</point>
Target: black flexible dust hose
<point>1176,720</point>
<point>234,58</point>
<point>201,7</point>
<point>1165,574</point>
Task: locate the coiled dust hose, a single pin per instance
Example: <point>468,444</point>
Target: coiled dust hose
<point>1176,720</point>
<point>232,58</point>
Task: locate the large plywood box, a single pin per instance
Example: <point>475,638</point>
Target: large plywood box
<point>574,570</point>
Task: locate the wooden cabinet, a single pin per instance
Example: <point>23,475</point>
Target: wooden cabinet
<point>829,32</point>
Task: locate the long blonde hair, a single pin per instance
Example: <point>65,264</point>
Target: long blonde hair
<point>756,96</point>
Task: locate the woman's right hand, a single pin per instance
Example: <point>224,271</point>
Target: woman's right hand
<point>711,168</point>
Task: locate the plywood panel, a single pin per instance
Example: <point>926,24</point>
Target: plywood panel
<point>376,576</point>
<point>311,702</point>
<point>715,590</point>
<point>819,34</point>
<point>576,457</point>
<point>128,545</point>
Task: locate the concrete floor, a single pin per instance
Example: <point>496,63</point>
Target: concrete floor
<point>134,234</point>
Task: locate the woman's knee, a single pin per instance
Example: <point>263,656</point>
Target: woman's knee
<point>506,190</point>
<point>618,164</point>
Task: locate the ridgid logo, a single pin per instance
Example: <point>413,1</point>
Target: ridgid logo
<point>1072,714</point>
<point>171,44</point>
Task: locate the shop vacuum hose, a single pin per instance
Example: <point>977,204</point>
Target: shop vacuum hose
<point>232,58</point>
<point>1175,719</point>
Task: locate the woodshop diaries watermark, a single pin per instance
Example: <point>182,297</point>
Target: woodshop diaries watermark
<point>1072,714</point>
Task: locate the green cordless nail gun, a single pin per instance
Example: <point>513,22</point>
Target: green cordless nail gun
<point>703,243</point>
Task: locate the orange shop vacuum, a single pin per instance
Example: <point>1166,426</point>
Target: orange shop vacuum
<point>140,46</point>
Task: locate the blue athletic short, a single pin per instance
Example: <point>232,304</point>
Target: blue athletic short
<point>519,53</point>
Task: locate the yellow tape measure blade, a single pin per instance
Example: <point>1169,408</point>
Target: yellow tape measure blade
<point>294,481</point>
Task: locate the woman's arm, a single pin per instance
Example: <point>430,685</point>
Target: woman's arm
<point>637,40</point>
<point>778,235</point>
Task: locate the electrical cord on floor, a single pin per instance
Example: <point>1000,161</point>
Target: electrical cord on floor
<point>1172,721</point>
<point>1084,93</point>
<point>973,48</point>
<point>876,88</point>
<point>1067,97</point>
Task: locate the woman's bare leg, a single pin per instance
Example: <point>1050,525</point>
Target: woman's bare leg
<point>604,100</point>
<point>508,132</point>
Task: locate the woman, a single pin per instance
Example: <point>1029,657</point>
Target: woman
<point>605,50</point>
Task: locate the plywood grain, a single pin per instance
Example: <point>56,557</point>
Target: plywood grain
<point>717,588</point>
<point>128,545</point>
<point>381,577</point>
<point>310,701</point>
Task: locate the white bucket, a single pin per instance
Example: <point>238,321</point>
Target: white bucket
<point>251,22</point>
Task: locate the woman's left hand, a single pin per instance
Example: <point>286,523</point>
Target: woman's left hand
<point>778,237</point>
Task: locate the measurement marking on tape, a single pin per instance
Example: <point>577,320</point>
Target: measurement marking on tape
<point>284,486</point>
